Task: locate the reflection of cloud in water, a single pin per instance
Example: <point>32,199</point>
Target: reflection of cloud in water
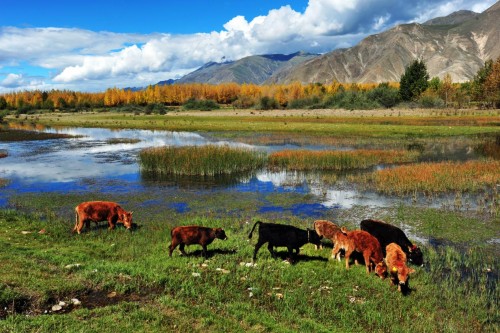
<point>89,155</point>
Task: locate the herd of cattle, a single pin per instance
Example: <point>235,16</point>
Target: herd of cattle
<point>384,247</point>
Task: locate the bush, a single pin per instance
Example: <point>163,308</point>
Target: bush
<point>200,104</point>
<point>385,95</point>
<point>244,102</point>
<point>267,103</point>
<point>431,102</point>
<point>304,103</point>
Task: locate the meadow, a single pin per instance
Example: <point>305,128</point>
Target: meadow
<point>125,281</point>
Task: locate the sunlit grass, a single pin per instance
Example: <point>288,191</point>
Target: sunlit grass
<point>337,160</point>
<point>470,176</point>
<point>207,160</point>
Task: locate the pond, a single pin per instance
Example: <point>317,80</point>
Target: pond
<point>97,160</point>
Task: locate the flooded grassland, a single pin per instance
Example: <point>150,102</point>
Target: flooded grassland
<point>114,273</point>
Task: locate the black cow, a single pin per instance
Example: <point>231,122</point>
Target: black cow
<point>283,235</point>
<point>387,233</point>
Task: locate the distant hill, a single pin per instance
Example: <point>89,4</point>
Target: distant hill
<point>457,44</point>
<point>253,69</point>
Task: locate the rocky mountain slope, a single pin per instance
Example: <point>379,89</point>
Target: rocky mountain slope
<point>253,69</point>
<point>458,45</point>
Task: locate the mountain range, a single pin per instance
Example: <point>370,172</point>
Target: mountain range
<point>457,44</point>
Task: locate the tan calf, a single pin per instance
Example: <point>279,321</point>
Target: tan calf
<point>327,229</point>
<point>395,260</point>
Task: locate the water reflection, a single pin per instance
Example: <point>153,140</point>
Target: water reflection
<point>91,162</point>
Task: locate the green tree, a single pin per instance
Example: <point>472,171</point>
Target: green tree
<point>414,81</point>
<point>3,103</point>
<point>479,80</point>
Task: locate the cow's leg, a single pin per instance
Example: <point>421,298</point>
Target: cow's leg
<point>368,262</point>
<point>336,252</point>
<point>181,248</point>
<point>271,250</point>
<point>79,226</point>
<point>112,223</point>
<point>257,247</point>
<point>172,247</point>
<point>347,257</point>
<point>204,251</point>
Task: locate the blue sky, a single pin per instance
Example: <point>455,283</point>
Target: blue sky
<point>94,45</point>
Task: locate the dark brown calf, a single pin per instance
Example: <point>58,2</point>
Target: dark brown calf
<point>188,235</point>
<point>97,211</point>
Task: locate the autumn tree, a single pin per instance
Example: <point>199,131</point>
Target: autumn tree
<point>492,85</point>
<point>414,81</point>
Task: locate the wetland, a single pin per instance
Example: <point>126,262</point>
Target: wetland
<point>95,156</point>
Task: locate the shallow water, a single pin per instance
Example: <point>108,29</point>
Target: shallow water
<point>89,163</point>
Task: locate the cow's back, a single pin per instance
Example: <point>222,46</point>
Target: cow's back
<point>363,240</point>
<point>97,210</point>
<point>190,234</point>
<point>385,233</point>
<point>279,234</point>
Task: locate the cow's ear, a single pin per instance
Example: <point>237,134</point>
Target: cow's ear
<point>411,271</point>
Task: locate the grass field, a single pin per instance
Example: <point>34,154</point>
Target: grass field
<point>384,124</point>
<point>126,282</point>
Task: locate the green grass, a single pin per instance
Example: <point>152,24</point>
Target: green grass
<point>160,294</point>
<point>366,127</point>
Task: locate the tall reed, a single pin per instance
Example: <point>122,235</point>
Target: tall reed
<point>470,176</point>
<point>207,160</point>
<point>337,160</point>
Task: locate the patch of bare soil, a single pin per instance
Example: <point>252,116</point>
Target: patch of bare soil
<point>90,299</point>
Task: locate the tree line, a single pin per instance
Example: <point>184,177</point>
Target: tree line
<point>414,89</point>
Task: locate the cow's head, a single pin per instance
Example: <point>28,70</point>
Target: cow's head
<point>415,256</point>
<point>220,234</point>
<point>381,270</point>
<point>402,272</point>
<point>126,218</point>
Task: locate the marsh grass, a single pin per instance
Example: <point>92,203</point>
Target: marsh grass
<point>10,135</point>
<point>442,177</point>
<point>337,160</point>
<point>113,141</point>
<point>207,160</point>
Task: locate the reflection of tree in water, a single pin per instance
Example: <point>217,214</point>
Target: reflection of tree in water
<point>195,182</point>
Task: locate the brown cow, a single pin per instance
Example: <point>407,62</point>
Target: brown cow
<point>193,234</point>
<point>327,229</point>
<point>101,211</point>
<point>359,241</point>
<point>399,273</point>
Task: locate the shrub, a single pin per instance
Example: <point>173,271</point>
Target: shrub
<point>429,101</point>
<point>385,95</point>
<point>200,104</point>
<point>267,103</point>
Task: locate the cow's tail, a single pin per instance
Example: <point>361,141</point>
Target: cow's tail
<point>250,234</point>
<point>77,220</point>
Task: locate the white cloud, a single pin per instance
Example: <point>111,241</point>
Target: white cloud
<point>96,60</point>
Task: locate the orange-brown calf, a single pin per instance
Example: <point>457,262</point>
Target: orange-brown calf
<point>327,229</point>
<point>395,260</point>
<point>360,241</point>
<point>187,235</point>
